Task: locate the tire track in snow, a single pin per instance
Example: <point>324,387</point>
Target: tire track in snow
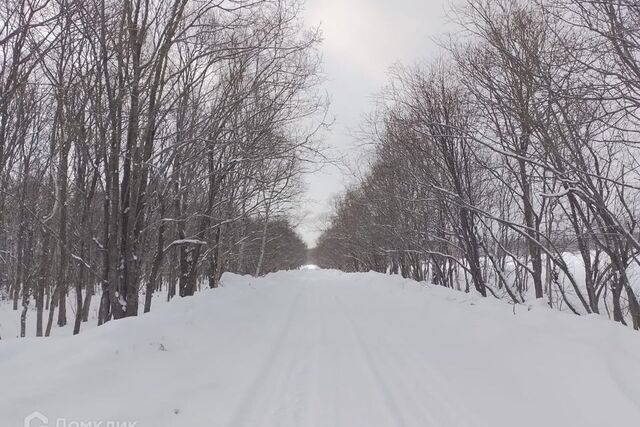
<point>288,404</point>
<point>326,329</point>
<point>398,367</point>
<point>253,408</point>
<point>383,389</point>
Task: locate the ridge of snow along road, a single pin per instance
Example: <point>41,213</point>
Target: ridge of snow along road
<point>326,348</point>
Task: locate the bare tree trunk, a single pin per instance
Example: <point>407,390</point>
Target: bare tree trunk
<point>79,307</point>
<point>43,274</point>
<point>26,279</point>
<point>263,239</point>
<point>157,260</point>
<point>86,305</point>
<point>61,284</point>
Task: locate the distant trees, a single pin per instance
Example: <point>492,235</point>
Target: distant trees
<point>148,145</point>
<point>494,163</point>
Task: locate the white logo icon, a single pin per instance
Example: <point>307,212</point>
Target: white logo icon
<point>36,419</point>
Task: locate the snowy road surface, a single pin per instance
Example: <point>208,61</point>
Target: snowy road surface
<point>324,348</point>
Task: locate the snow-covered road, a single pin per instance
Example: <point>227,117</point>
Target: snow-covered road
<point>325,348</point>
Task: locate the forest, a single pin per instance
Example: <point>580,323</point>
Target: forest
<point>508,165</point>
<point>149,146</point>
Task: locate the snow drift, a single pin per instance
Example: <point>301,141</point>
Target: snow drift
<point>325,348</point>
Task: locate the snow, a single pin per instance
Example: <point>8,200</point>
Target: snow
<point>324,348</point>
<point>187,242</point>
<point>10,319</point>
<point>575,264</point>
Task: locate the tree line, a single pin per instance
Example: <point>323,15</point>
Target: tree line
<point>508,166</point>
<point>149,145</point>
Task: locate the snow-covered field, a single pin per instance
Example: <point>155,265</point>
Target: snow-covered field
<point>325,348</point>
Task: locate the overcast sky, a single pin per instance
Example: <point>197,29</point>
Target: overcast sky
<point>362,39</point>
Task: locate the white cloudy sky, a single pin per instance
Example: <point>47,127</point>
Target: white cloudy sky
<point>362,39</point>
